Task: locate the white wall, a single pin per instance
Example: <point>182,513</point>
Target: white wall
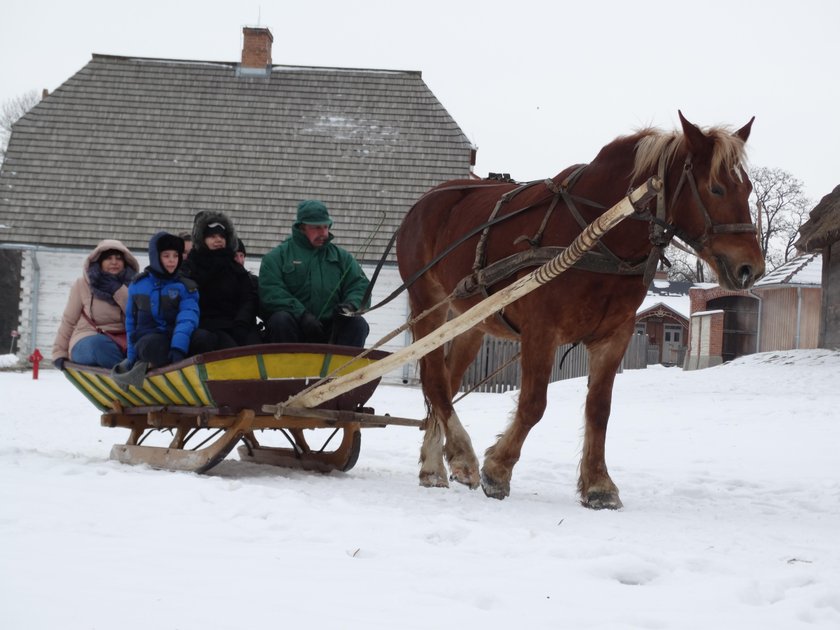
<point>56,270</point>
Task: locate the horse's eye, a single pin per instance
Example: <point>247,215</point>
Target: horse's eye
<point>717,190</point>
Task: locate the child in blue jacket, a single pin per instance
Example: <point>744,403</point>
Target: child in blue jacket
<point>162,309</point>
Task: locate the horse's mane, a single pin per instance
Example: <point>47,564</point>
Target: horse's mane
<point>729,152</point>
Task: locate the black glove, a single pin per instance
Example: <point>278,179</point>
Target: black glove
<point>59,363</point>
<point>311,328</point>
<point>345,309</point>
<point>109,283</point>
<point>176,355</point>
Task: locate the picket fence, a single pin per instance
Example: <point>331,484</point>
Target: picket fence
<point>495,353</point>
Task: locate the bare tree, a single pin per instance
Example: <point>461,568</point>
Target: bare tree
<point>11,112</point>
<point>685,266</point>
<point>779,208</point>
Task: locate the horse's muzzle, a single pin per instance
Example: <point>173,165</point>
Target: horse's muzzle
<point>738,278</point>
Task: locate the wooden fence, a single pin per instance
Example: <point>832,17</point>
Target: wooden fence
<point>496,352</point>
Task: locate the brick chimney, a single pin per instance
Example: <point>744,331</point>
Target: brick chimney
<point>256,48</point>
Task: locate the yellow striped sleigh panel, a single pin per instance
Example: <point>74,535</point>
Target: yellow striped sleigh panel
<point>228,381</point>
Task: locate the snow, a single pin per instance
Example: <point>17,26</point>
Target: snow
<point>8,361</point>
<point>680,304</point>
<point>729,477</point>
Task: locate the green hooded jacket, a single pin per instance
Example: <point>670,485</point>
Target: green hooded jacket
<point>297,277</point>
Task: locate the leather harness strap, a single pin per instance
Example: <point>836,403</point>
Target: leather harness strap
<point>603,261</point>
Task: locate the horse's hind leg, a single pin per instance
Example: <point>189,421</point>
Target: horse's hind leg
<point>499,459</point>
<point>596,488</point>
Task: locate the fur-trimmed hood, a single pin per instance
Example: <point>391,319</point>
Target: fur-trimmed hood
<point>104,246</point>
<point>203,219</point>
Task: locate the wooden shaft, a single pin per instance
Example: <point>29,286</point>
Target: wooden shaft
<point>468,319</point>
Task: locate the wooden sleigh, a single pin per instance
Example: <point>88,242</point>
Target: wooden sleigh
<point>199,409</point>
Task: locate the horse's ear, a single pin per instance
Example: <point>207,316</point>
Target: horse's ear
<point>744,132</point>
<point>695,139</point>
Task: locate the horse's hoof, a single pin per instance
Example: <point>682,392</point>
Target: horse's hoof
<point>602,501</point>
<point>433,480</point>
<point>494,489</point>
<point>465,477</point>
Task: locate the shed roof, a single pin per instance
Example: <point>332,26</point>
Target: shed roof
<point>674,307</point>
<point>823,226</point>
<point>804,270</point>
<point>673,295</point>
<point>128,146</point>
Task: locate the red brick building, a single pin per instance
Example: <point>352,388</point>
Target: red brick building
<point>781,312</point>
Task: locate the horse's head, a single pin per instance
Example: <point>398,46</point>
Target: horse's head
<point>707,198</point>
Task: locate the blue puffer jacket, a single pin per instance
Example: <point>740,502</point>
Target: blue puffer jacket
<point>160,302</point>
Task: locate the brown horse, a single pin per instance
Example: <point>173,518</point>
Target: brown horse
<point>705,203</point>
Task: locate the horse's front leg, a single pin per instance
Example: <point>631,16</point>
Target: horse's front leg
<point>597,490</point>
<point>444,435</point>
<point>499,459</point>
<point>432,469</point>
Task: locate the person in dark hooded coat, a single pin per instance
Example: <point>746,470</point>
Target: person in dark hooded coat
<point>228,300</point>
<point>162,310</point>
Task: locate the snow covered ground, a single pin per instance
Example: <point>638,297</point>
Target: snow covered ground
<point>730,478</point>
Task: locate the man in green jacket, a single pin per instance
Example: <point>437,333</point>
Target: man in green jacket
<point>310,289</point>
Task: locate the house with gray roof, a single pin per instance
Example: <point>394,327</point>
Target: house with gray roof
<point>128,146</point>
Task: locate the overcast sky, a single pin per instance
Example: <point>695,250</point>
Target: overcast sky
<point>535,85</point>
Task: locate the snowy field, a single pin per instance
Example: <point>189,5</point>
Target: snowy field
<point>730,478</point>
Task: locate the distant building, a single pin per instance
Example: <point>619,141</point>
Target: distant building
<point>781,312</point>
<point>663,318</point>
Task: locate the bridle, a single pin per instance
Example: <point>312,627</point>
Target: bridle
<point>662,231</point>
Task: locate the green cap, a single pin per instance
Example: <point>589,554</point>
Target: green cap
<point>313,212</point>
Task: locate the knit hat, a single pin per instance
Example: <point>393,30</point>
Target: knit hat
<point>166,242</point>
<point>240,247</point>
<point>313,212</point>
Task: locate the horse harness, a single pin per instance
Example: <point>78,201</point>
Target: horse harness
<point>603,261</point>
<point>484,276</point>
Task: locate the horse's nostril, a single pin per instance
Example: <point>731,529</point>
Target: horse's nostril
<point>746,276</point>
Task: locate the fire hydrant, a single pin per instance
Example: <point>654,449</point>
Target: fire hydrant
<point>35,358</point>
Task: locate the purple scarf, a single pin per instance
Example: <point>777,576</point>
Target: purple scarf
<point>104,285</point>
